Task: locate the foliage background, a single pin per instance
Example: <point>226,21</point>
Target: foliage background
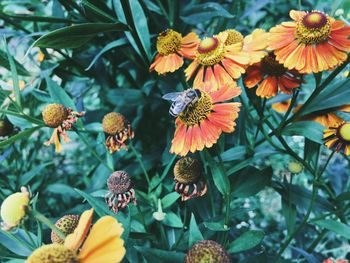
<point>99,72</point>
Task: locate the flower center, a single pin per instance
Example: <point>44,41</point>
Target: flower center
<point>119,182</point>
<point>187,170</point>
<point>344,131</point>
<point>53,253</point>
<point>210,51</point>
<point>168,42</point>
<point>271,67</point>
<point>233,37</point>
<point>313,28</point>
<point>197,112</point>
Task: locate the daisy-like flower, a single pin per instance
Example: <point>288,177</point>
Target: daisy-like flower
<point>13,209</point>
<point>313,42</point>
<point>207,251</point>
<point>117,130</point>
<point>327,118</point>
<point>338,138</point>
<point>271,76</point>
<point>201,124</point>
<point>172,48</point>
<point>120,191</point>
<point>102,244</point>
<point>189,179</point>
<point>61,119</point>
<point>222,58</point>
<point>66,224</point>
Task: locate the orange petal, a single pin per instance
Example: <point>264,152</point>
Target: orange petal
<point>296,15</point>
<point>253,76</point>
<point>226,92</point>
<point>104,243</point>
<point>74,240</point>
<point>189,71</point>
<point>268,88</point>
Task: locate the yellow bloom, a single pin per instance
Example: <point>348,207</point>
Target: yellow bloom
<point>103,244</point>
<point>338,138</point>
<point>13,209</point>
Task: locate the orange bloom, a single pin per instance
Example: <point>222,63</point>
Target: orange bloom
<point>282,106</point>
<point>222,58</point>
<point>201,124</point>
<point>313,42</point>
<point>272,77</point>
<point>327,118</point>
<point>172,47</point>
<point>338,137</point>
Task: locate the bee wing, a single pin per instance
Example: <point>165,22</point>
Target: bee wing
<point>172,96</point>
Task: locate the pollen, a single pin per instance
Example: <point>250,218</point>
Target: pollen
<point>67,225</point>
<point>344,131</point>
<point>210,51</point>
<point>198,111</point>
<point>54,115</point>
<point>168,42</point>
<point>271,66</point>
<point>313,28</point>
<point>233,37</point>
<point>53,253</point>
<point>187,170</point>
<point>113,123</point>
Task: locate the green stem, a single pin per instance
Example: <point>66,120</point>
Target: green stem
<point>43,219</point>
<point>139,159</point>
<point>291,106</point>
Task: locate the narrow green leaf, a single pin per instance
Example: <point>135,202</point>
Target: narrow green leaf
<point>25,178</point>
<point>172,220</point>
<point>195,234</point>
<point>77,35</point>
<point>158,255</point>
<point>58,94</point>
<point>220,179</point>
<point>169,199</point>
<point>24,134</point>
<point>334,226</point>
<point>309,129</point>
<point>5,63</point>
<point>246,241</point>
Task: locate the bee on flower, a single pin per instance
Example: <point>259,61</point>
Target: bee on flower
<point>312,42</point>
<point>61,119</point>
<point>172,48</point>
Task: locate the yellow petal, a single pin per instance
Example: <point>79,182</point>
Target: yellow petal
<point>74,240</point>
<point>104,243</point>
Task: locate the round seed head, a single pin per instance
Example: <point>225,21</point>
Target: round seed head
<point>187,170</point>
<point>53,253</point>
<point>119,182</point>
<point>207,251</point>
<point>54,114</point>
<point>113,123</point>
<point>67,225</point>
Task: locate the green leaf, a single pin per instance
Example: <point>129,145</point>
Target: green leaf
<point>309,129</point>
<point>169,199</point>
<point>311,152</point>
<point>172,220</point>
<point>334,95</point>
<point>334,226</point>
<point>246,241</point>
<point>5,63</point>
<point>113,44</point>
<point>25,178</point>
<point>195,234</point>
<point>289,212</point>
<point>24,134</point>
<point>77,35</point>
<point>158,255</point>
<point>58,94</point>
<point>250,181</point>
<point>216,226</point>
<point>220,179</point>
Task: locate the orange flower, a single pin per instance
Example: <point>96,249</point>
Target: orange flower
<point>201,124</point>
<point>282,106</point>
<point>272,77</point>
<point>102,244</point>
<point>327,118</point>
<point>313,42</point>
<point>172,47</point>
<point>329,260</point>
<point>222,58</point>
<point>338,137</point>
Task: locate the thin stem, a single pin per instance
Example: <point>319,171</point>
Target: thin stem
<point>291,106</point>
<point>43,219</point>
<point>139,159</point>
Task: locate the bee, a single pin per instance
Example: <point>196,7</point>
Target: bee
<point>181,100</point>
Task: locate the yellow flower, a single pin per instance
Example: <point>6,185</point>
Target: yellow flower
<point>103,244</point>
<point>338,138</point>
<point>13,209</point>
<point>295,167</point>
